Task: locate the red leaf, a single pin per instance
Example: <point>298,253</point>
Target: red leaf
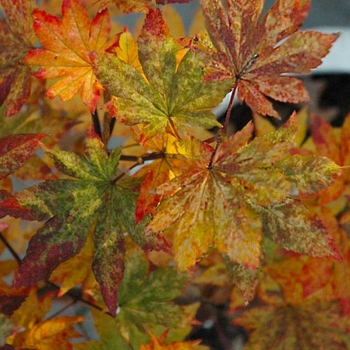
<point>46,251</point>
<point>15,40</point>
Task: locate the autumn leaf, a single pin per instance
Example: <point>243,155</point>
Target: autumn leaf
<point>329,143</point>
<point>156,172</point>
<point>76,271</point>
<point>251,182</point>
<point>169,95</point>
<point>37,333</point>
<point>15,150</point>
<point>97,198</point>
<point>259,54</point>
<point>66,44</point>
<point>145,304</point>
<point>10,206</point>
<point>16,36</point>
<point>312,325</point>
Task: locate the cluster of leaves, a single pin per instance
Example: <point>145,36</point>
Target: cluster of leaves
<point>175,204</point>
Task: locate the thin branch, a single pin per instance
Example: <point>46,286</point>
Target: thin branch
<point>9,247</point>
<point>96,123</point>
<point>63,309</point>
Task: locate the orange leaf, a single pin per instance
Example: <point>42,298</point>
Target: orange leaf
<point>258,184</point>
<point>65,54</point>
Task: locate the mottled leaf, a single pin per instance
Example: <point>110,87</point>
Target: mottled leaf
<point>257,54</point>
<point>72,206</point>
<point>303,232</point>
<point>313,325</point>
<point>15,151</point>
<point>242,180</point>
<point>16,36</point>
<point>169,95</point>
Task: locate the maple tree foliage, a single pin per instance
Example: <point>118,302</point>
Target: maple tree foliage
<point>257,53</point>
<point>123,230</point>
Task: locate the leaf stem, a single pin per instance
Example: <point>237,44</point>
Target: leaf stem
<point>96,123</point>
<point>9,247</point>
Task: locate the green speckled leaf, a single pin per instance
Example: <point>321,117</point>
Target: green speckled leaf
<point>295,227</point>
<point>6,328</point>
<point>308,175</point>
<point>145,298</point>
<point>72,207</point>
<point>167,96</point>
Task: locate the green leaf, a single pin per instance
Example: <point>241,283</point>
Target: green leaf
<point>109,332</point>
<point>145,306</point>
<point>93,199</point>
<point>6,328</point>
<point>145,298</point>
<point>169,95</point>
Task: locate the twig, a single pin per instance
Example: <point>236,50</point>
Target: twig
<point>96,123</point>
<point>9,247</point>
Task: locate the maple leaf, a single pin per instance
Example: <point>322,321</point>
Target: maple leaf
<point>15,150</point>
<point>16,36</point>
<point>6,328</point>
<point>36,333</point>
<point>258,54</point>
<point>157,172</point>
<point>145,298</point>
<point>94,198</point>
<point>311,325</point>
<point>65,54</point>
<point>169,95</point>
<point>329,143</point>
<point>145,304</point>
<point>242,190</point>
